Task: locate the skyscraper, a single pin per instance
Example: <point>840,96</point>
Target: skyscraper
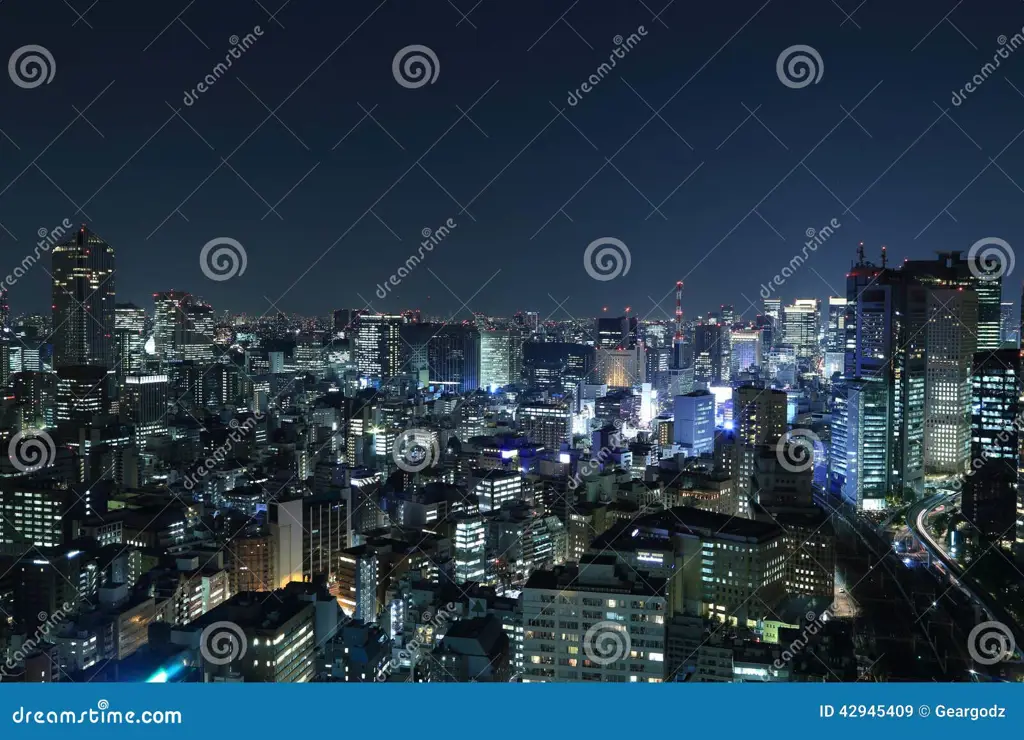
<point>378,347</point>
<point>694,423</point>
<point>83,301</point>
<point>860,456</point>
<point>453,355</point>
<point>129,331</point>
<point>1009,329</point>
<point>495,356</point>
<point>800,327</point>
<point>990,490</point>
<point>707,354</point>
<point>951,343</point>
<point>745,350</point>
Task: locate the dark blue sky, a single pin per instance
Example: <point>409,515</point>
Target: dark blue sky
<point>513,62</point>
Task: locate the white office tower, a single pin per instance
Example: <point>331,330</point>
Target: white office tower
<point>598,621</point>
<point>495,357</point>
<point>745,350</point>
<point>800,327</point>
<point>470,549</point>
<point>951,343</point>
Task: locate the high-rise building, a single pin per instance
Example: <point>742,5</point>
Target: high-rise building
<point>82,393</point>
<point>745,350</point>
<point>83,301</point>
<point>453,357</point>
<point>990,489</point>
<point>602,604</point>
<point>495,358</point>
<point>835,337</point>
<point>1009,327</point>
<point>378,345</point>
<point>800,327</point>
<point>144,400</point>
<point>707,354</point>
<point>183,327</point>
<point>773,313</point>
<point>860,456</point>
<point>694,423</point>
<point>130,333</point>
<point>951,343</point>
<point>557,366</point>
<point>886,316</point>
<point>759,418</point>
<point>547,424</point>
<point>470,549</point>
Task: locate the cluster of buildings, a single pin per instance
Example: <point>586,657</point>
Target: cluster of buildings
<point>371,497</point>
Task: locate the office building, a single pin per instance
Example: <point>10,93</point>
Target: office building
<point>144,405</point>
<point>694,423</point>
<point>130,336</point>
<point>547,424</point>
<point>596,621</point>
<point>707,354</point>
<point>951,343</point>
<point>378,345</point>
<point>991,487</point>
<point>745,350</point>
<point>860,457</point>
<point>469,549</point>
<point>496,358</point>
<point>83,301</point>
<point>800,327</point>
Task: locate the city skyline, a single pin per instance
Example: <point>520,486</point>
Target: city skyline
<point>740,196</point>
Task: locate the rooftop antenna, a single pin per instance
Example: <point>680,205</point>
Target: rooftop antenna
<point>883,257</point>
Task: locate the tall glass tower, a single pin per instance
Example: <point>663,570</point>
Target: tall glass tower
<point>83,301</point>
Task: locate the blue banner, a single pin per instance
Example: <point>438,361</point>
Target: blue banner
<point>512,711</point>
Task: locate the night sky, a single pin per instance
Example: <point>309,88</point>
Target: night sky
<point>344,161</point>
